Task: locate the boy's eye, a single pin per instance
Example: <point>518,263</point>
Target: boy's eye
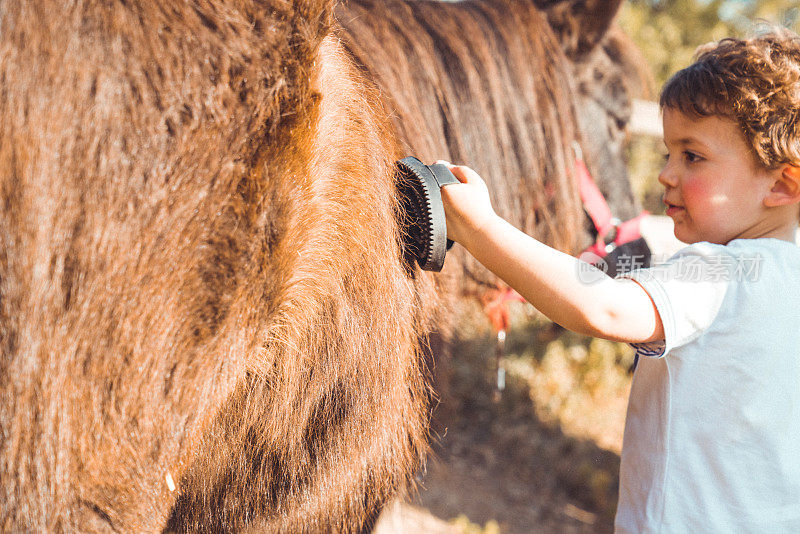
<point>691,157</point>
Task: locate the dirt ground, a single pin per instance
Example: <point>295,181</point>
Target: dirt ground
<point>541,457</point>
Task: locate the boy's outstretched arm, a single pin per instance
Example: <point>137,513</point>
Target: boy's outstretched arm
<point>615,309</point>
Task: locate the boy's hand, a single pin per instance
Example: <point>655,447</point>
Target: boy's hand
<point>467,205</point>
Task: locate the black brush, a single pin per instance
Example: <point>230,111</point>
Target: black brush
<point>424,229</point>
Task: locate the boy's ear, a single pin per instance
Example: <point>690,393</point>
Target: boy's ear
<point>786,188</point>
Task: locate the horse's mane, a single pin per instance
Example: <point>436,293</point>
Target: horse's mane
<point>490,83</point>
<point>483,83</point>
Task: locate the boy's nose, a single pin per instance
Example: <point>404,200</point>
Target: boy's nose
<point>667,177</point>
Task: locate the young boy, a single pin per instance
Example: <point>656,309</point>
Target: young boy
<point>712,435</point>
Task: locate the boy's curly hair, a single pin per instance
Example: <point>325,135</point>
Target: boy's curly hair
<point>755,82</point>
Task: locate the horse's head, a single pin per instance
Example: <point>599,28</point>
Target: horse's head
<point>609,72</point>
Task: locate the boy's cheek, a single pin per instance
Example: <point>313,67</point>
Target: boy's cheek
<point>697,194</point>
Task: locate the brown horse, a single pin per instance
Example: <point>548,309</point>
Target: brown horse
<point>204,319</point>
<point>205,322</point>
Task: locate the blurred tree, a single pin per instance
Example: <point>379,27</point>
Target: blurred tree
<point>669,31</point>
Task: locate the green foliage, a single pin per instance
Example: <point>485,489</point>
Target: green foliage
<point>669,31</point>
<point>465,526</point>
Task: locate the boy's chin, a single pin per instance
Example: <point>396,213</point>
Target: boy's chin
<point>684,237</point>
<point>689,234</point>
<point>691,239</point>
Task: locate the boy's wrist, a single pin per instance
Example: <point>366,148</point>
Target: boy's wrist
<point>479,231</point>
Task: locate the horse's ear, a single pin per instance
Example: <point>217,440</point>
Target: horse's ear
<point>580,24</point>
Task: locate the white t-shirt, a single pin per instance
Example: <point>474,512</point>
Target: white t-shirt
<point>712,434</point>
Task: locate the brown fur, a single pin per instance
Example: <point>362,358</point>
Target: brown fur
<point>608,71</point>
<point>489,83</point>
<point>580,24</point>
<point>448,71</point>
<point>199,273</point>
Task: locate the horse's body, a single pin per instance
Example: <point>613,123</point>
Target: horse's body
<point>200,282</point>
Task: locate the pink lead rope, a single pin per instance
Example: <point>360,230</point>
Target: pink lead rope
<point>611,233</point>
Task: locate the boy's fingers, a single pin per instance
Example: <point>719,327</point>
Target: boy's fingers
<point>459,173</point>
<point>455,169</point>
<point>462,172</point>
<point>467,175</point>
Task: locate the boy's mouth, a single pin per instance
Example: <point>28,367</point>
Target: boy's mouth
<point>672,209</point>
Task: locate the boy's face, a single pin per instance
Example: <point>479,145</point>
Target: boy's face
<point>714,188</point>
